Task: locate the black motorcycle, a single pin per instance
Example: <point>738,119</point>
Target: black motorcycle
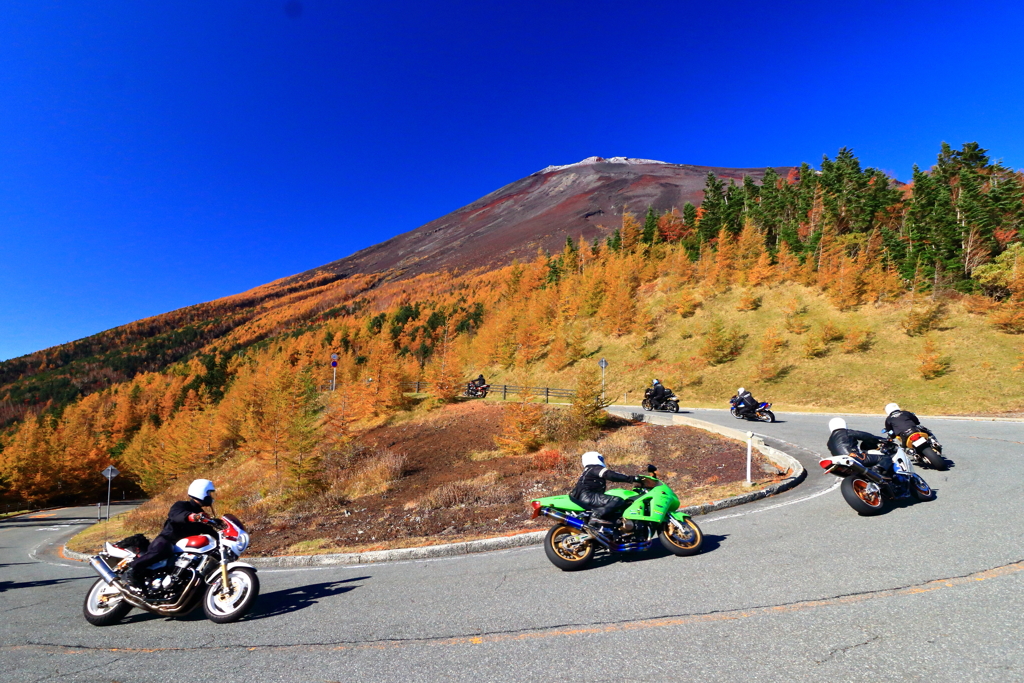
<point>669,404</point>
<point>922,446</point>
<point>762,413</point>
<point>867,489</point>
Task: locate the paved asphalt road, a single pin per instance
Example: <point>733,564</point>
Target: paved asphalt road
<point>796,587</point>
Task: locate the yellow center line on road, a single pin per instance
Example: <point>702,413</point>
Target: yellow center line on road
<point>611,627</point>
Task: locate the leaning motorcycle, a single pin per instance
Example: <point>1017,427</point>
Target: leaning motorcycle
<point>652,516</point>
<point>762,413</point>
<point>668,404</point>
<point>922,446</point>
<point>867,490</point>
<point>202,569</point>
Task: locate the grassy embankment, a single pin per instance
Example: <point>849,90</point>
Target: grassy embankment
<point>984,365</point>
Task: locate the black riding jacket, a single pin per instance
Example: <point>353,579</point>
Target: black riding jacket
<point>901,421</point>
<point>845,441</point>
<point>177,525</point>
<point>593,479</point>
<point>746,401</point>
<point>659,392</point>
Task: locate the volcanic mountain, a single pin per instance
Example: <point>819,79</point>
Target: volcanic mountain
<point>585,199</point>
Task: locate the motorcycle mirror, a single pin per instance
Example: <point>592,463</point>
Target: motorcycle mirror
<point>652,469</point>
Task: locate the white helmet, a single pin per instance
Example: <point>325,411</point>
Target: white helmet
<point>592,458</point>
<point>836,423</point>
<point>655,382</point>
<point>201,490</point>
<point>739,391</point>
<point>891,408</point>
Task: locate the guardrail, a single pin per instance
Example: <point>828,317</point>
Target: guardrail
<point>505,390</point>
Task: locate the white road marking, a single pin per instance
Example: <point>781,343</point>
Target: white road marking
<point>777,505</point>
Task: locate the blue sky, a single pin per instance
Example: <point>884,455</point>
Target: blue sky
<point>158,154</point>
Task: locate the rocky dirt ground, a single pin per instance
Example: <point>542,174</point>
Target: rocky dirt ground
<point>456,487</point>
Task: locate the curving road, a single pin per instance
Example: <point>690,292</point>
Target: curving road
<point>796,587</point>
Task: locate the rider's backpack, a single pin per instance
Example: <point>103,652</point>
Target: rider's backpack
<point>137,543</point>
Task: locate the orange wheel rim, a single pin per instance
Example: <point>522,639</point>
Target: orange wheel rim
<point>865,493</point>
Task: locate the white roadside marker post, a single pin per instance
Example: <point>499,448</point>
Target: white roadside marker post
<point>750,445</point>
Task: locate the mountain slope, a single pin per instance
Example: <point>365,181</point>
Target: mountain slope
<point>539,211</point>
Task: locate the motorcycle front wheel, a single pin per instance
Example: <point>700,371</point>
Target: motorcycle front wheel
<point>566,549</point>
<point>735,414</point>
<point>862,495</point>
<point>921,490</point>
<point>222,606</point>
<point>682,541</point>
<point>104,605</point>
<point>933,458</point>
<point>646,404</point>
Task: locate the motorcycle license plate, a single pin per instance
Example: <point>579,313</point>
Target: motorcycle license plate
<point>920,442</point>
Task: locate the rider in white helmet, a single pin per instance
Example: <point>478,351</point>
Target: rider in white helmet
<point>745,402</point>
<point>900,422</point>
<point>589,492</point>
<point>185,518</point>
<point>855,443</point>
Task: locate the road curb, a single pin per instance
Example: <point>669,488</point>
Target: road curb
<point>782,460</point>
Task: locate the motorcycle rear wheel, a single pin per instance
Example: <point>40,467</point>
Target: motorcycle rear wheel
<point>682,543</point>
<point>104,605</point>
<point>565,553</point>
<point>933,458</point>
<point>675,407</point>
<point>223,609</point>
<point>766,416</point>
<point>862,495</point>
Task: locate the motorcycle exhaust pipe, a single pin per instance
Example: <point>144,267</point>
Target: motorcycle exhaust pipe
<point>103,570</point>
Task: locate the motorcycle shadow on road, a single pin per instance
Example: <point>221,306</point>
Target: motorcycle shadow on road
<point>657,552</point>
<point>294,599</point>
<point>15,585</point>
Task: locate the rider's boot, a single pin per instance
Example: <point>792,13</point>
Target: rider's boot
<point>132,581</point>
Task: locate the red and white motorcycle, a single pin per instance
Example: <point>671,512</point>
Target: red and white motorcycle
<point>203,568</point>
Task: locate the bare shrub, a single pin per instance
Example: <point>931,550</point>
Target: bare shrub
<point>686,306</point>
<point>795,325</point>
<point>374,475</point>
<point>482,490</point>
<point>626,446</point>
<point>562,426</point>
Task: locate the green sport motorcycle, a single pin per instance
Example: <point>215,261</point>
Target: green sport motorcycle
<point>653,515</point>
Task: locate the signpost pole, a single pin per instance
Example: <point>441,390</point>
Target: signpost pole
<point>334,371</point>
<point>604,364</point>
<point>109,481</point>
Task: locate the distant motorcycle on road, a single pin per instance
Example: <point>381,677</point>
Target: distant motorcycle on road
<point>867,490</point>
<point>203,569</point>
<point>762,413</point>
<point>669,404</point>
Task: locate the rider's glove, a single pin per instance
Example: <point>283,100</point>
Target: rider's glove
<point>637,479</point>
<point>197,517</point>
